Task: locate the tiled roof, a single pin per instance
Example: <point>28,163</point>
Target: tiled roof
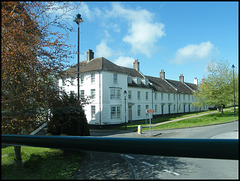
<point>192,86</point>
<point>102,64</point>
<point>159,84</point>
<point>181,87</point>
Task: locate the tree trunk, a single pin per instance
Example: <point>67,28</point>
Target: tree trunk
<point>222,109</point>
<point>18,157</point>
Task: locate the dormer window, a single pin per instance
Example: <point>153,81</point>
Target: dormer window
<point>129,80</point>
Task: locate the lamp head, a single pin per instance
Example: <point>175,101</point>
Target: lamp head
<point>78,19</point>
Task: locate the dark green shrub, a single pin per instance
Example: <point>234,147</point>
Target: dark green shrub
<point>68,117</point>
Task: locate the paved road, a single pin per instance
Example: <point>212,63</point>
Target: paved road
<point>132,166</point>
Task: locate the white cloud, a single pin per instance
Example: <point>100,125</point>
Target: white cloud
<point>143,36</point>
<point>124,61</point>
<point>90,14</point>
<point>85,10</point>
<point>143,33</point>
<point>194,52</point>
<point>102,50</point>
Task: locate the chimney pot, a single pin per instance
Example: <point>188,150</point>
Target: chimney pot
<point>162,74</point>
<point>136,65</point>
<point>90,55</point>
<point>181,78</point>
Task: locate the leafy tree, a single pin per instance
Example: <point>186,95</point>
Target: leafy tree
<point>68,117</point>
<point>32,57</point>
<point>217,88</point>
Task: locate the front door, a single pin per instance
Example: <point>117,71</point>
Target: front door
<point>129,112</point>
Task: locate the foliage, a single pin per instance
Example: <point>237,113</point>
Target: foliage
<point>32,58</point>
<point>68,117</point>
<point>217,88</point>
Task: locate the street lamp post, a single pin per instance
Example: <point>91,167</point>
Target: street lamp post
<point>125,99</point>
<point>78,20</point>
<point>233,90</point>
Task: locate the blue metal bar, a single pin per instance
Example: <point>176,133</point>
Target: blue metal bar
<point>195,148</point>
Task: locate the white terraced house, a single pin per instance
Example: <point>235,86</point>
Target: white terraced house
<point>122,94</point>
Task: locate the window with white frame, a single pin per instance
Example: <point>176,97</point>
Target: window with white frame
<point>82,79</point>
<point>115,78</point>
<point>93,96</point>
<point>139,110</point>
<point>115,94</point>
<point>129,94</point>
<point>156,108</point>
<point>93,78</point>
<point>81,93</point>
<point>146,95</point>
<point>155,95</point>
<point>93,112</point>
<point>147,107</point>
<point>72,80</point>
<point>138,95</point>
<point>115,112</point>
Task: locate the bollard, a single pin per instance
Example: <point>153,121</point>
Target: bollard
<point>139,129</point>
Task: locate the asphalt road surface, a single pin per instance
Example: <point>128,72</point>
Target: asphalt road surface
<point>100,165</point>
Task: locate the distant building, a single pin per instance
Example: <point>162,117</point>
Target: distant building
<point>119,92</point>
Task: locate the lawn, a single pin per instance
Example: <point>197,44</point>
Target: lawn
<point>215,118</point>
<point>210,119</point>
<point>40,163</point>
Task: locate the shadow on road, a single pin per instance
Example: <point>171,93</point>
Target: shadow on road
<point>102,165</point>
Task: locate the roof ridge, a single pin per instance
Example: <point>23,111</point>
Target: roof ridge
<point>170,84</point>
<point>188,86</point>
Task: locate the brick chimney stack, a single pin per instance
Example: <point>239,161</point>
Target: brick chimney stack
<point>181,78</point>
<point>90,55</point>
<point>136,65</point>
<point>162,74</point>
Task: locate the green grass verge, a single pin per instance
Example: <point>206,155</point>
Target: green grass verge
<point>39,163</point>
<point>210,119</point>
<point>215,118</point>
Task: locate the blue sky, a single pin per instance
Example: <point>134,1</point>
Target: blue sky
<point>179,37</point>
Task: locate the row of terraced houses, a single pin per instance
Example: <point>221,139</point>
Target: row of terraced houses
<point>120,94</point>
